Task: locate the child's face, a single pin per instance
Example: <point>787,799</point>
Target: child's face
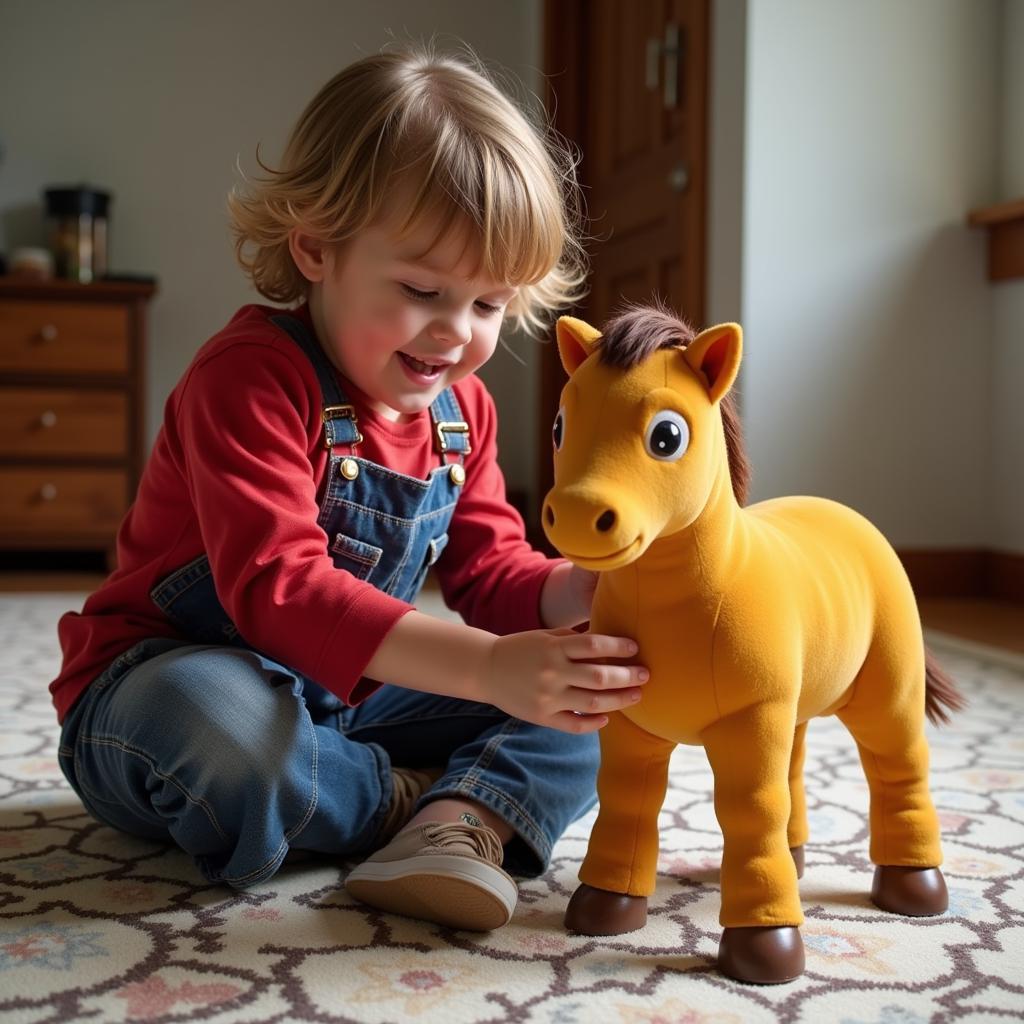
<point>402,326</point>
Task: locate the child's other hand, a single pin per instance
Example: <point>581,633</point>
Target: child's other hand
<point>556,678</point>
<point>567,595</point>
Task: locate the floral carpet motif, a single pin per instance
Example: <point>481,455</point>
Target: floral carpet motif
<point>99,926</point>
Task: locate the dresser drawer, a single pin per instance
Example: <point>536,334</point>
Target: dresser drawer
<point>58,503</point>
<point>69,337</point>
<point>63,422</point>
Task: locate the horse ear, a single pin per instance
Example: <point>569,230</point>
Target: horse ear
<point>576,340</point>
<point>715,356</point>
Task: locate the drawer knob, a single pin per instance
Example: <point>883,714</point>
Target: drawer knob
<point>48,419</point>
<point>48,332</point>
<point>48,492</point>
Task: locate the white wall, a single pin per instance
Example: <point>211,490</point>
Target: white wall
<point>1008,299</point>
<point>871,132</point>
<point>155,101</point>
<point>726,121</point>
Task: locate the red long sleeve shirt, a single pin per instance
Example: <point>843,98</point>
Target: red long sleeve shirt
<point>237,471</point>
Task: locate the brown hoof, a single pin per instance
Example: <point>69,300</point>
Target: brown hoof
<point>798,859</point>
<point>762,955</point>
<point>599,912</point>
<point>913,892</point>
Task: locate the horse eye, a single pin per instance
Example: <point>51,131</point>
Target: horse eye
<point>668,436</point>
<point>558,430</point>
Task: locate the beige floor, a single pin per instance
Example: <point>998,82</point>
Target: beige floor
<point>985,622</point>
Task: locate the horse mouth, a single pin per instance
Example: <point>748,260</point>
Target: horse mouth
<point>602,563</point>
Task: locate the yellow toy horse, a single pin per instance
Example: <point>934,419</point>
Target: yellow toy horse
<point>751,621</point>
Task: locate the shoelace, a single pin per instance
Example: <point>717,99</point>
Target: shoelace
<point>483,840</point>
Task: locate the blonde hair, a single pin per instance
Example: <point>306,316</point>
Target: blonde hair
<point>436,134</point>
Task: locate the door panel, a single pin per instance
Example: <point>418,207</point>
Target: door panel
<point>628,84</point>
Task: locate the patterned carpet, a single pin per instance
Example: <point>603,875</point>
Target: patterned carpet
<point>98,926</point>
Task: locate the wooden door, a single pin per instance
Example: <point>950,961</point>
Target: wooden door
<point>627,83</point>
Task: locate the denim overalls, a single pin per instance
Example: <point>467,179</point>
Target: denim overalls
<point>210,743</point>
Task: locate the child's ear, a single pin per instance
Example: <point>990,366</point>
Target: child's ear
<point>309,254</point>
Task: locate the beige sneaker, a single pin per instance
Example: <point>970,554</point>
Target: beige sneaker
<point>446,872</point>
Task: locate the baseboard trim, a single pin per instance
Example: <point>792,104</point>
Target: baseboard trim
<point>967,572</point>
<point>944,642</point>
<point>1006,576</point>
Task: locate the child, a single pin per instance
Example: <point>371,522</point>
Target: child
<point>222,689</point>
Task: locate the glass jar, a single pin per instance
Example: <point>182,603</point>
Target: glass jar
<point>78,232</point>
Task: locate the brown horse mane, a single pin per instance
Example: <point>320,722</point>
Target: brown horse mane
<point>633,335</point>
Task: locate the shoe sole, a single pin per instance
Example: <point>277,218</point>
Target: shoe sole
<point>467,897</point>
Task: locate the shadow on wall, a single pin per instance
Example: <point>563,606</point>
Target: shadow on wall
<point>22,225</point>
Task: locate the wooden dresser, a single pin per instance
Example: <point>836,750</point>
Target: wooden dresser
<point>72,427</point>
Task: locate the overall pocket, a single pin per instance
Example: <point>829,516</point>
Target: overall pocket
<point>355,556</point>
<point>435,547</point>
<point>189,599</point>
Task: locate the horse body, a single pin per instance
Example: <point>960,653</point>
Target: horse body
<point>790,601</point>
<point>751,621</point>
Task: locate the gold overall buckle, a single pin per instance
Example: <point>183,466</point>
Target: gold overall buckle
<point>453,427</point>
<point>340,412</point>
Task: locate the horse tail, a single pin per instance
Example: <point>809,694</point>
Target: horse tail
<point>941,694</point>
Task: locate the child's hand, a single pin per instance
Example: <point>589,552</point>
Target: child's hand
<point>567,595</point>
<point>556,678</point>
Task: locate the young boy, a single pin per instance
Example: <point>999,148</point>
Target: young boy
<point>223,688</point>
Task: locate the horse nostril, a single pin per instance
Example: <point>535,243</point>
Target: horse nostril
<point>606,521</point>
<point>549,515</point>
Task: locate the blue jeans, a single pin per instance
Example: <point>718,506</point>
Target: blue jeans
<point>237,759</point>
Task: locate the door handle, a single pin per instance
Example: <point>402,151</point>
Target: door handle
<point>679,178</point>
<point>670,47</point>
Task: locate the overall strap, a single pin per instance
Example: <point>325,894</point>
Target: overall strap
<point>451,431</point>
<point>338,413</point>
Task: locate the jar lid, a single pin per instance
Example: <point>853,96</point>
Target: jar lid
<point>72,201</point>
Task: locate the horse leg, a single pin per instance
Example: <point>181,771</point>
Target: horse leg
<point>619,870</point>
<point>751,757</point>
<point>797,829</point>
<point>886,718</point>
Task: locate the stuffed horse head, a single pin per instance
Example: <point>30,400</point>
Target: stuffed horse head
<point>644,458</point>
